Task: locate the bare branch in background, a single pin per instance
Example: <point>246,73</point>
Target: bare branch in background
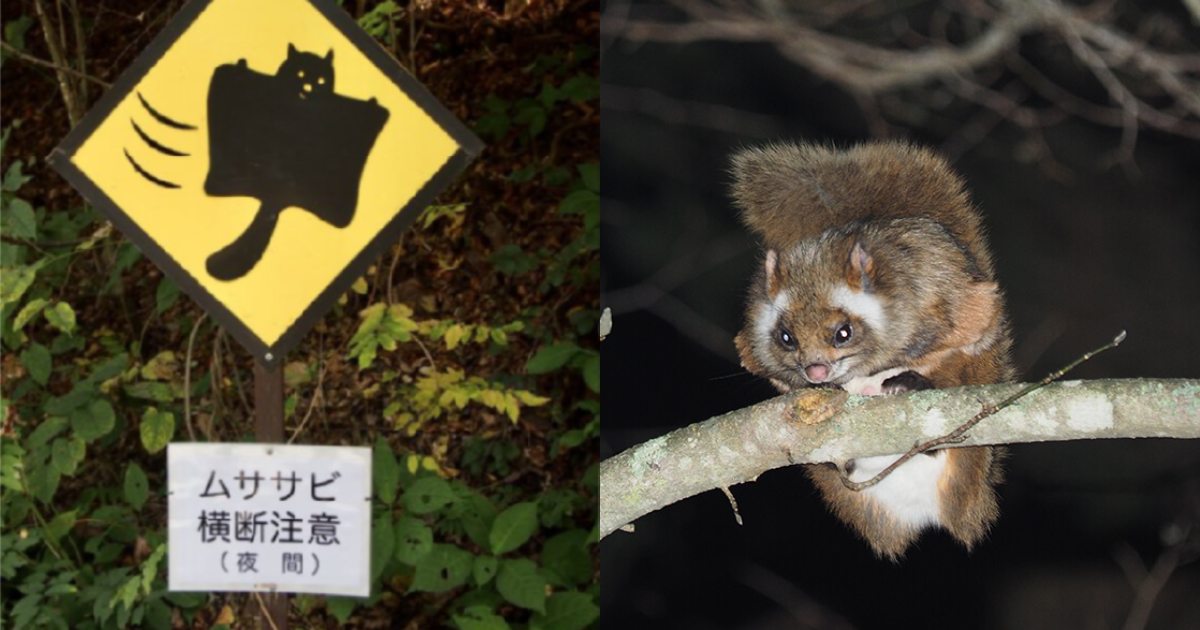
<point>896,68</point>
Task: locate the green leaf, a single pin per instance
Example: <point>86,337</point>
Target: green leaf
<point>485,569</point>
<point>36,359</point>
<point>150,568</point>
<point>166,295</point>
<point>443,568</point>
<point>109,369</point>
<point>158,615</point>
<point>62,317</point>
<point>341,607</point>
<point>149,390</point>
<point>137,487</point>
<point>14,178</point>
<point>22,222</point>
<point>81,394</point>
<point>591,372</point>
<point>43,482</point>
<point>590,173</point>
<point>162,367</point>
<point>532,115</point>
<point>94,421</point>
<point>520,583</point>
<point>14,282</point>
<point>28,312</point>
<point>479,618</point>
<point>551,358</point>
<point>495,121</point>
<point>580,202</point>
<point>478,515</point>
<point>565,555</point>
<point>126,594</point>
<point>188,601</point>
<point>12,467</point>
<point>14,33</point>
<point>65,454</point>
<point>414,539</point>
<point>427,495</point>
<point>46,431</point>
<point>581,88</point>
<point>383,544</point>
<point>59,526</point>
<point>513,527</point>
<point>566,611</point>
<point>157,429</point>
<point>385,472</point>
<point>26,609</point>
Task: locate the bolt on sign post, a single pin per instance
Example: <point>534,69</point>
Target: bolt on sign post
<point>263,154</point>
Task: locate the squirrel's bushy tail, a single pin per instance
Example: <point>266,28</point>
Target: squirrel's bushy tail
<point>789,192</point>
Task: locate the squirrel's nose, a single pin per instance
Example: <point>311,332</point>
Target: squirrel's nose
<point>816,373</point>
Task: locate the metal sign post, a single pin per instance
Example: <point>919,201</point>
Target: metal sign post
<point>268,428</point>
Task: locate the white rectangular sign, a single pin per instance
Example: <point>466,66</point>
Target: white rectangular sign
<point>269,517</point>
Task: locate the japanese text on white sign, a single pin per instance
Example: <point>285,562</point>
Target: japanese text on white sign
<point>269,517</point>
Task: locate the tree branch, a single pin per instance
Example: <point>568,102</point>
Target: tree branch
<point>813,426</point>
<point>1150,82</point>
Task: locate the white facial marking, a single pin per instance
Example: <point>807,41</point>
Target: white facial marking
<point>768,316</point>
<point>909,492</point>
<point>863,305</point>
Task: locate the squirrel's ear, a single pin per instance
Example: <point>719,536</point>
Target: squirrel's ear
<point>771,267</point>
<point>976,317</point>
<point>860,268</point>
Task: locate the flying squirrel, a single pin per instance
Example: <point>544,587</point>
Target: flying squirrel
<point>876,278</point>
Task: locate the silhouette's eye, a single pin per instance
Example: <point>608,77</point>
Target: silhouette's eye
<point>321,81</point>
<point>300,74</point>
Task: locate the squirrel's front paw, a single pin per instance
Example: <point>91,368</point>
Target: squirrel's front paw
<point>906,382</point>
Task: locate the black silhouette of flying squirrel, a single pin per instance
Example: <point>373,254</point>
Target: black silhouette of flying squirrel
<point>876,278</point>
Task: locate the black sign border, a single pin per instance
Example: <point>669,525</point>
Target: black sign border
<point>269,355</point>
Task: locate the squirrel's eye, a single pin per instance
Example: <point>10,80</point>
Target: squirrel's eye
<point>842,335</point>
<point>786,339</point>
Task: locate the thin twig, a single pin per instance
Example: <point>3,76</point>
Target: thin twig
<point>733,504</point>
<point>218,382</point>
<point>38,245</point>
<point>237,381</point>
<point>318,394</point>
<point>60,65</point>
<point>432,363</point>
<point>187,378</point>
<point>959,434</point>
<point>266,614</point>
<point>1149,588</point>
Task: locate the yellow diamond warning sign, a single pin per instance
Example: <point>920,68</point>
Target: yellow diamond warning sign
<point>263,154</point>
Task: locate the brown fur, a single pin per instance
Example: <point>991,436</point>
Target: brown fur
<point>891,221</point>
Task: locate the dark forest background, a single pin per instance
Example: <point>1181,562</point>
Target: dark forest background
<point>1095,223</point>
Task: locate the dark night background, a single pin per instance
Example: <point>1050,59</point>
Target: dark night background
<point>1085,248</point>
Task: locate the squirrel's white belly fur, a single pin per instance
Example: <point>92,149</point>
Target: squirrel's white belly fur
<point>910,492</point>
